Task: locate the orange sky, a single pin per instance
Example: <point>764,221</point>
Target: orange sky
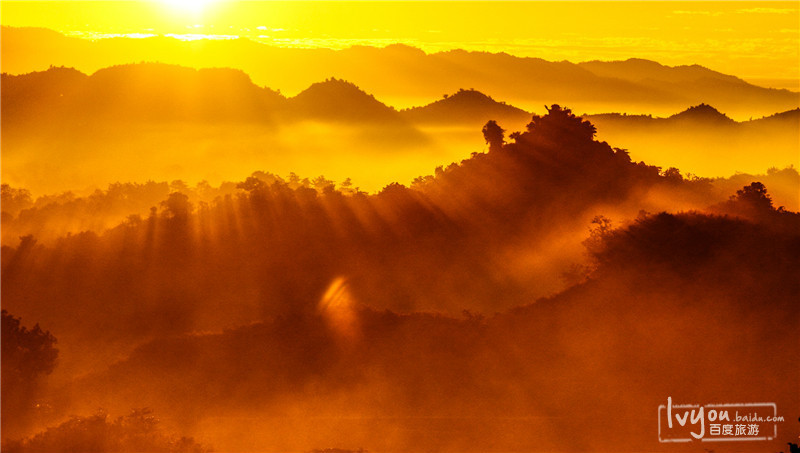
<point>759,41</point>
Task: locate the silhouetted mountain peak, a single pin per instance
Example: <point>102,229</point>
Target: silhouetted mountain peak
<point>53,73</point>
<point>473,99</point>
<point>63,71</point>
<point>466,106</point>
<point>644,63</point>
<point>405,48</point>
<point>145,91</point>
<point>169,73</point>
<point>339,99</point>
<point>25,34</point>
<point>216,92</point>
<point>651,72</point>
<point>334,87</point>
<point>21,93</point>
<point>702,112</point>
<point>469,99</point>
<point>472,95</point>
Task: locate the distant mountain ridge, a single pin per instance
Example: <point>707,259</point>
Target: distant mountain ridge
<point>157,91</point>
<point>639,69</point>
<point>701,115</point>
<point>789,117</point>
<point>399,72</point>
<point>144,91</point>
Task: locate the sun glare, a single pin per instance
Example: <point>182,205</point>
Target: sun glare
<point>187,6</point>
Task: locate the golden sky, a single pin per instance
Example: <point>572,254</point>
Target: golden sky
<point>752,40</point>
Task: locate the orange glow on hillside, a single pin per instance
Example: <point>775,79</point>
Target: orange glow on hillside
<point>437,226</point>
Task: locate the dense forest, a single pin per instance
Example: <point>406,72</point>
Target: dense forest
<point>508,301</point>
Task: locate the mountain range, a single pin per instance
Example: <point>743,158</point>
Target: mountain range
<point>156,91</point>
<point>166,117</point>
<point>404,75</point>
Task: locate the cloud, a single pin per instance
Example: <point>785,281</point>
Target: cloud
<point>738,11</point>
<point>767,11</point>
<point>698,13</point>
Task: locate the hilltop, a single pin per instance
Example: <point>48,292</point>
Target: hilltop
<point>339,100</point>
<point>465,107</point>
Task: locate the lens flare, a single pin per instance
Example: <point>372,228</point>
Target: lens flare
<point>338,307</point>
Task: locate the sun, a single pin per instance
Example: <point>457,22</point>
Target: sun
<point>187,6</point>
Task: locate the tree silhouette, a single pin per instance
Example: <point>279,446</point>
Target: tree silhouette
<point>494,135</point>
<point>27,355</point>
<point>137,431</point>
<point>561,121</point>
<point>177,205</point>
<point>15,200</point>
<point>752,202</point>
<point>754,195</point>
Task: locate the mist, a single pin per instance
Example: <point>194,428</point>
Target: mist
<point>231,246</point>
<point>502,302</point>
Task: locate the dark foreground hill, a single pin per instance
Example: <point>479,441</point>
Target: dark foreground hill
<point>674,302</point>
